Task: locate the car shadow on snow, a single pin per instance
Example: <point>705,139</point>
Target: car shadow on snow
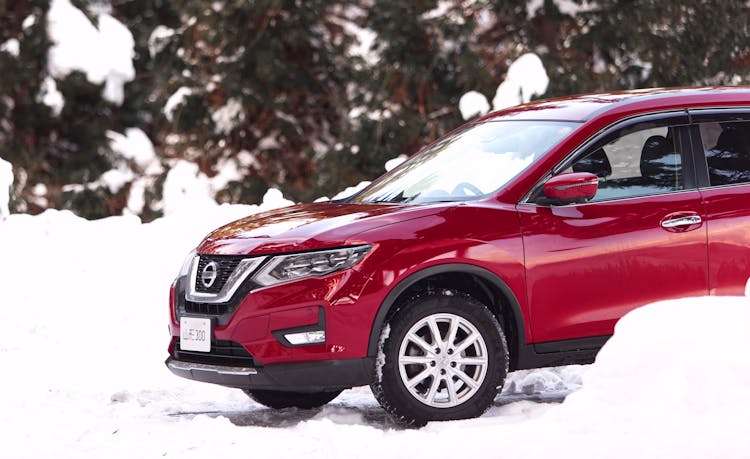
<point>350,412</point>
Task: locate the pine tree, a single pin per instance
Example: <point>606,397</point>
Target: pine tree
<point>53,130</point>
<point>257,85</point>
<point>23,120</point>
<point>425,57</point>
<point>654,43</point>
<point>285,93</point>
<point>623,44</point>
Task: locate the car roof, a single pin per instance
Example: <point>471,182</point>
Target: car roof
<point>584,107</point>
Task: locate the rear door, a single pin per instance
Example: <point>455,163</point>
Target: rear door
<point>722,140</point>
<point>640,239</point>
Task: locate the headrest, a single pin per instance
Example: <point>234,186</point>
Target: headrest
<point>659,161</point>
<point>731,140</point>
<point>596,163</point>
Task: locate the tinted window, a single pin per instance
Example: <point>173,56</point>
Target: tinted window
<point>640,163</point>
<point>727,149</point>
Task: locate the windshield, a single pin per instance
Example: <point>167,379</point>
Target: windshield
<point>468,164</point>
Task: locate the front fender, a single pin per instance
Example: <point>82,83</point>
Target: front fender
<point>481,240</point>
<point>402,286</point>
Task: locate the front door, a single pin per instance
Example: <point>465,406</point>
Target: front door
<point>640,239</point>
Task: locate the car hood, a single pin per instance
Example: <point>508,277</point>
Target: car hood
<point>307,227</point>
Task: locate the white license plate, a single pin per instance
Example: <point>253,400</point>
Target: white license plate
<point>195,334</point>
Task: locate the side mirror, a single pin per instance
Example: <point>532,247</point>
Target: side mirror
<point>572,187</point>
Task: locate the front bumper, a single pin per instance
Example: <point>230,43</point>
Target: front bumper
<point>259,319</point>
<point>322,376</point>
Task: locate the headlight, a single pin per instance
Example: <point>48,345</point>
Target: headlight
<point>185,270</point>
<point>285,268</point>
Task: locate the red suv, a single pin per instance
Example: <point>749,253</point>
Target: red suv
<point>516,241</point>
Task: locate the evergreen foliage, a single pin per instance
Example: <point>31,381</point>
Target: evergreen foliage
<point>286,93</point>
<point>263,85</point>
<point>58,157</point>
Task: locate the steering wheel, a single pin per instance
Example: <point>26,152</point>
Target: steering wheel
<point>466,189</point>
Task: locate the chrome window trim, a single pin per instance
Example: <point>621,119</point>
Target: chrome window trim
<point>246,267</point>
<point>625,198</point>
<point>726,185</point>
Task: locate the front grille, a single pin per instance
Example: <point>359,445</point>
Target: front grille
<point>227,265</point>
<point>223,352</point>
<point>211,309</point>
<point>222,312</point>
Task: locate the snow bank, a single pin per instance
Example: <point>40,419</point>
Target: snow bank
<point>671,382</point>
<point>526,78</point>
<point>6,182</point>
<point>273,199</point>
<point>673,379</point>
<point>105,54</point>
<point>186,189</point>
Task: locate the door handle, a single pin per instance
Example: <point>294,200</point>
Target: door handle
<point>681,221</point>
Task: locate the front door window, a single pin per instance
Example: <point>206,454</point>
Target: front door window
<point>641,163</point>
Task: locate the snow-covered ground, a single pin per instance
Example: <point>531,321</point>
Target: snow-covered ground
<point>83,337</point>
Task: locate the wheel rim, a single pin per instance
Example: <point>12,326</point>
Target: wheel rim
<point>443,360</point>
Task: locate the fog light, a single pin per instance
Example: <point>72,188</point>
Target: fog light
<point>309,337</point>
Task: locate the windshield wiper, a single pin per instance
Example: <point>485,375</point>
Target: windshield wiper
<point>397,199</point>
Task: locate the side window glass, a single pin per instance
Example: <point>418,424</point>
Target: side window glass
<point>640,163</point>
<point>727,149</point>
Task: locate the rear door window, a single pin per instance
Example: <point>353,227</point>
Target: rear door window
<point>727,151</point>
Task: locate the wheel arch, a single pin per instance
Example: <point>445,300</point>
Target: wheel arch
<point>502,302</point>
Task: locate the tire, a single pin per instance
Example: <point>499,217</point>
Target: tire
<point>278,399</point>
<point>419,379</point>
